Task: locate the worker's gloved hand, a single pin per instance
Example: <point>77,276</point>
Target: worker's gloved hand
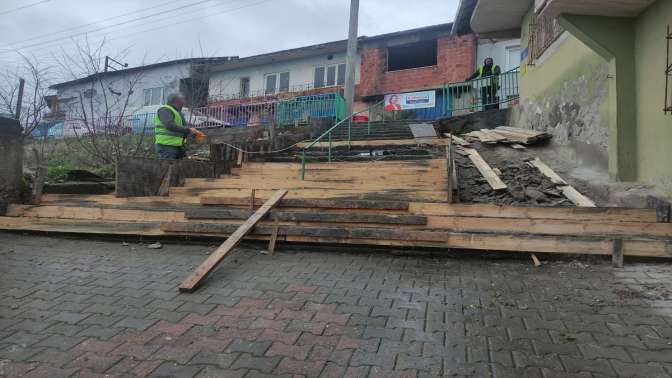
<point>193,131</point>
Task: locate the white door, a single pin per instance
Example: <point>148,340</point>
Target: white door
<point>512,57</point>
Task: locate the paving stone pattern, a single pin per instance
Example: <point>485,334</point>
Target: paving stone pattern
<point>87,308</point>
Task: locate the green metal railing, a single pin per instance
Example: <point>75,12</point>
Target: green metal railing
<point>474,95</point>
<point>328,133</point>
<point>481,94</point>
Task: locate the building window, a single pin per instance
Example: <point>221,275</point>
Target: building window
<point>153,96</point>
<point>284,82</point>
<point>412,55</point>
<point>329,76</point>
<point>319,77</point>
<point>544,30</point>
<point>244,87</point>
<point>277,83</point>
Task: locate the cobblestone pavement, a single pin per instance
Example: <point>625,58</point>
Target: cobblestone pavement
<point>86,308</point>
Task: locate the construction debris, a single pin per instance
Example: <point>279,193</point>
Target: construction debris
<point>513,136</point>
<point>572,194</point>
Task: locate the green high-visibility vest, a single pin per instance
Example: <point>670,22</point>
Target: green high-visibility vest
<point>495,79</point>
<point>164,136</point>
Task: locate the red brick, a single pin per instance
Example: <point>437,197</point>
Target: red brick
<point>340,319</point>
<point>278,325</point>
<point>289,305</point>
<point>172,329</point>
<point>294,351</point>
<point>252,303</point>
<point>15,369</point>
<point>235,333</point>
<point>232,322</point>
<point>301,289</point>
<point>136,337</point>
<point>227,311</point>
<point>197,319</point>
<point>261,313</point>
<point>124,366</point>
<point>136,351</point>
<point>308,368</point>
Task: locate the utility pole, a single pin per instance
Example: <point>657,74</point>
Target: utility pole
<point>19,100</point>
<point>351,59</point>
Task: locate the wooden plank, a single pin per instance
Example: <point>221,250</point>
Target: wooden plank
<point>480,241</point>
<point>312,203</point>
<point>274,238</point>
<point>191,283</point>
<point>577,198</point>
<point>598,214</point>
<point>449,158</point>
<point>548,172</point>
<point>165,183</point>
<point>457,140</point>
<point>310,216</point>
<point>617,253</point>
<point>535,260</point>
<point>495,182</point>
<point>551,227</point>
<point>572,194</point>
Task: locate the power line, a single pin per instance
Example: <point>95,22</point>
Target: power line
<point>51,57</point>
<point>91,23</point>
<point>8,11</point>
<point>190,20</point>
<point>170,18</point>
<point>110,26</point>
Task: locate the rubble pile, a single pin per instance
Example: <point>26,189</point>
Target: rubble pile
<point>526,185</point>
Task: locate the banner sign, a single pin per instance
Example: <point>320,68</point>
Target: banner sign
<point>413,100</point>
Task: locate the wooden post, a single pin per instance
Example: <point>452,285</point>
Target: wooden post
<point>191,283</point>
<point>617,253</point>
<point>274,237</point>
<point>252,195</point>
<point>164,189</point>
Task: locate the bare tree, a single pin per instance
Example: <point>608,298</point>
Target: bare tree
<point>34,107</point>
<point>98,108</point>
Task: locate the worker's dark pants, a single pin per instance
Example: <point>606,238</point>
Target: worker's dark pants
<point>170,152</point>
<point>489,97</point>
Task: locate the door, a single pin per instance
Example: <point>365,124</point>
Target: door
<point>512,58</point>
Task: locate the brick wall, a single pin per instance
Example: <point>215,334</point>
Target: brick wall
<point>455,62</point>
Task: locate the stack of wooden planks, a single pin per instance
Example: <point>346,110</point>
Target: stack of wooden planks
<point>384,203</point>
<point>513,136</point>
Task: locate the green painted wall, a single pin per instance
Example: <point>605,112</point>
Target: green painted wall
<point>568,97</point>
<point>613,39</point>
<point>654,128</point>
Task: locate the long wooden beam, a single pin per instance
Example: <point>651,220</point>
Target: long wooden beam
<point>191,283</point>
<point>310,216</point>
<point>495,182</point>
<point>311,203</point>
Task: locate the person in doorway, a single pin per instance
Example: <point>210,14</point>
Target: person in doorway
<point>170,128</point>
<point>393,103</point>
<point>490,87</point>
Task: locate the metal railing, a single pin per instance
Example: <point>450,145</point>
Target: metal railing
<point>328,134</point>
<point>297,110</point>
<point>481,94</point>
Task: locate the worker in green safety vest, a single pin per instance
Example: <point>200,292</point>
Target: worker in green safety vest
<point>489,87</point>
<point>170,130</point>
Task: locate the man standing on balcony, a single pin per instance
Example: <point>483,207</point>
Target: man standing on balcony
<point>170,131</point>
<point>489,87</point>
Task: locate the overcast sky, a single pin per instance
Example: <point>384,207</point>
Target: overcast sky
<point>199,27</point>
